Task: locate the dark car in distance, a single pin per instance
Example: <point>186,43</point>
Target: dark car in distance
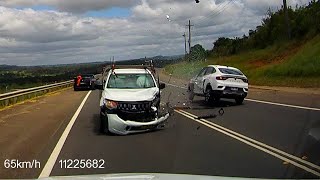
<point>85,81</point>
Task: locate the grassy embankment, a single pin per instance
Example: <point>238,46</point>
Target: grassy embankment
<point>294,64</point>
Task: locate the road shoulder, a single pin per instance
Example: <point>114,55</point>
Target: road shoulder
<point>29,131</point>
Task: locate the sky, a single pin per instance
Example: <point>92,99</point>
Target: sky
<point>43,32</point>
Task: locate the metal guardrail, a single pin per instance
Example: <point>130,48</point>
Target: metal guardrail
<point>21,95</point>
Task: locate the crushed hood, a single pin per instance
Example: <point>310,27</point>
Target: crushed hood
<point>130,94</point>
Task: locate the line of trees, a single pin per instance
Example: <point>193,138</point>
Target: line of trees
<point>304,23</point>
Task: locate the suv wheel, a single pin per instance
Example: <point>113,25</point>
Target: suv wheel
<point>190,93</point>
<point>239,100</point>
<point>104,125</point>
<point>208,96</point>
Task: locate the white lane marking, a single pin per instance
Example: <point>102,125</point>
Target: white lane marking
<point>265,102</point>
<point>286,105</point>
<point>56,151</point>
<point>256,142</point>
<point>253,145</point>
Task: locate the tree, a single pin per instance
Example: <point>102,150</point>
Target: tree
<point>198,53</point>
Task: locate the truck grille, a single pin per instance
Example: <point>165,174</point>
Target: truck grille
<point>135,111</point>
<point>134,106</point>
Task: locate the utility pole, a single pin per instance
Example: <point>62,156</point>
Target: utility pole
<point>113,59</point>
<point>285,9</point>
<point>189,26</point>
<point>185,45</point>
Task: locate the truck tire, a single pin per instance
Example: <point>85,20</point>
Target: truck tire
<point>239,101</point>
<point>104,125</point>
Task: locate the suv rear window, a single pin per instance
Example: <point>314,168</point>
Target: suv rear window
<point>230,71</point>
<point>130,81</point>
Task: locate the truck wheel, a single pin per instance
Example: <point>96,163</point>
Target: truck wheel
<point>239,100</point>
<point>104,125</point>
<point>75,89</point>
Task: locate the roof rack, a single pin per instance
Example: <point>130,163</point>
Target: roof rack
<point>148,64</point>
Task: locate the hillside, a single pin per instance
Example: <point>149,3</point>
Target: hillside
<point>268,55</point>
<point>294,64</point>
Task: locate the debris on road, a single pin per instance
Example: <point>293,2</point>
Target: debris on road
<point>207,116</point>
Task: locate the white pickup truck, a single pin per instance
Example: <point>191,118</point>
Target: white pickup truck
<point>130,101</point>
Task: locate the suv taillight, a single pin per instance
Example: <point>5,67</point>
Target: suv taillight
<point>221,78</point>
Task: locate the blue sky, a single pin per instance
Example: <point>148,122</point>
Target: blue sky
<point>112,12</point>
<point>38,8</point>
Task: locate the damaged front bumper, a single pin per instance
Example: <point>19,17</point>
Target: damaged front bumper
<point>124,127</point>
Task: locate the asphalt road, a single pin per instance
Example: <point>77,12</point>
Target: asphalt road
<point>256,139</point>
<point>192,146</point>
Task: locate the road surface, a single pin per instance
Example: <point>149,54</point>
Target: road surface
<point>258,139</point>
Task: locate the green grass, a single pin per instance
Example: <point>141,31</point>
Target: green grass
<point>294,64</point>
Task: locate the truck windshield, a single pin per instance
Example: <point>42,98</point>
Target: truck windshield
<point>130,81</point>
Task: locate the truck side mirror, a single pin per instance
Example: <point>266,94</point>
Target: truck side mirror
<point>162,85</point>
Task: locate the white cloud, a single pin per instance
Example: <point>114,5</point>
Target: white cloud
<point>30,37</point>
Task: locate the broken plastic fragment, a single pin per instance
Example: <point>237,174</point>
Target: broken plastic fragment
<point>221,112</point>
<point>207,116</point>
<point>304,157</point>
<point>168,18</point>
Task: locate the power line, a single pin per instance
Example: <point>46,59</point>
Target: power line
<point>215,13</point>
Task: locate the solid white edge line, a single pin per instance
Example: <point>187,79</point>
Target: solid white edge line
<point>265,102</point>
<point>286,105</point>
<point>56,151</point>
<point>253,145</point>
<point>257,142</point>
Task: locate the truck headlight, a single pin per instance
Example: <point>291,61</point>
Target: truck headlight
<point>155,102</point>
<point>111,104</point>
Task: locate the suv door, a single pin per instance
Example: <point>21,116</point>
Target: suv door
<point>206,76</point>
<point>199,81</point>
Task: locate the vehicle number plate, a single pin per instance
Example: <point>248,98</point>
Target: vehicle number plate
<point>147,127</point>
<point>234,89</point>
